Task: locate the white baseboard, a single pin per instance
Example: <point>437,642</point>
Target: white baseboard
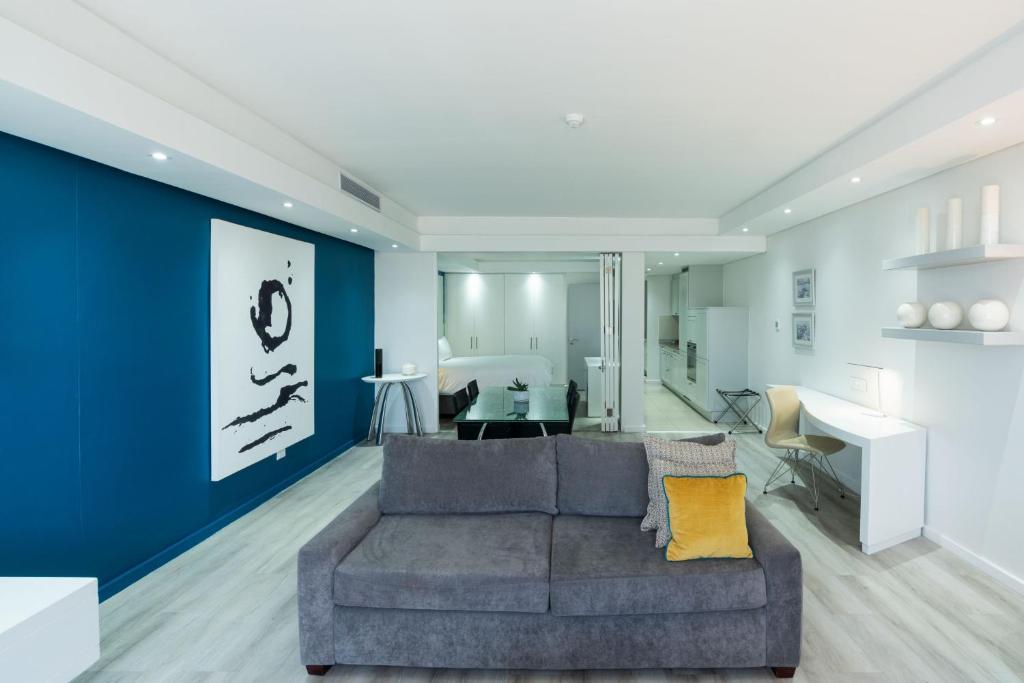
<point>633,429</point>
<point>653,381</point>
<point>1001,575</point>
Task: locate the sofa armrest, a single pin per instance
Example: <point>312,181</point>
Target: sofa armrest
<point>317,562</point>
<point>783,575</point>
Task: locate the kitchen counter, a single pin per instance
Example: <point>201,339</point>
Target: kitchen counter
<point>669,346</point>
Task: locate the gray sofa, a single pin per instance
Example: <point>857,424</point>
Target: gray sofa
<point>528,554</point>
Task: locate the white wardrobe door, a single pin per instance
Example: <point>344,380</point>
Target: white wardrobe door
<point>489,315</point>
<point>459,316</point>
<point>519,313</point>
<point>550,322</point>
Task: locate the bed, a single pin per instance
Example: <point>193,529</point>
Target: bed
<point>456,372</point>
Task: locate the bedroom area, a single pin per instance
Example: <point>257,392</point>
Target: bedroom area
<point>514,320</point>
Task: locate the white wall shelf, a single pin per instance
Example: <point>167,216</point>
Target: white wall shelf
<point>976,337</point>
<point>979,253</point>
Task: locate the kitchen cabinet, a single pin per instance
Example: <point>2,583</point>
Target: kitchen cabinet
<point>699,287</point>
<point>673,296</point>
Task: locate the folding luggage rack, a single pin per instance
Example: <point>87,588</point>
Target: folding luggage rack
<point>734,404</point>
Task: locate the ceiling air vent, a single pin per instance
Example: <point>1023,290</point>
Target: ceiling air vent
<point>361,193</point>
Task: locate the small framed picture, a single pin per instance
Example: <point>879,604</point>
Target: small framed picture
<point>803,330</point>
<point>803,287</point>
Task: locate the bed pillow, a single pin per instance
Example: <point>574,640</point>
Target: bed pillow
<point>679,458</point>
<point>444,349</point>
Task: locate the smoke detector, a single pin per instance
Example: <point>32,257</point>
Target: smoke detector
<point>574,120</point>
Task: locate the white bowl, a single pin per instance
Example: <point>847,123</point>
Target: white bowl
<point>988,315</point>
<point>945,315</point>
<point>912,314</point>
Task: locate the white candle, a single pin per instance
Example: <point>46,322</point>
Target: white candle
<point>954,223</point>
<point>989,215</point>
<point>924,230</point>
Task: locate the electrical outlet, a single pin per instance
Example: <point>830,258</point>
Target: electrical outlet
<point>858,384</point>
<point>778,326</point>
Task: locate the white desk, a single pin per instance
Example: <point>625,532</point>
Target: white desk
<point>49,628</point>
<point>892,466</point>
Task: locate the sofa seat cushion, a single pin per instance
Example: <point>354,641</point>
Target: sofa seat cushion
<point>606,566</point>
<point>488,563</point>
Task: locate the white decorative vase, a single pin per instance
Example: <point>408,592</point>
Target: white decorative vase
<point>945,315</point>
<point>989,233</point>
<point>520,396</point>
<point>989,315</point>
<point>923,228</point>
<point>912,314</point>
<point>954,223</point>
<point>409,369</point>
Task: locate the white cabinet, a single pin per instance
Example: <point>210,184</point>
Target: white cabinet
<point>697,330</point>
<point>536,318</point>
<point>673,296</point>
<point>515,314</point>
<point>699,287</point>
<point>475,314</point>
<point>720,334</point>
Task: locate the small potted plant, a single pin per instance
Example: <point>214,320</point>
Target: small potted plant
<point>520,391</point>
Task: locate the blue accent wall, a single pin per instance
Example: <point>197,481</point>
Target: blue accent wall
<point>104,368</point>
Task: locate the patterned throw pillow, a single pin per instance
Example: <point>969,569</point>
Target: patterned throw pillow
<point>679,458</point>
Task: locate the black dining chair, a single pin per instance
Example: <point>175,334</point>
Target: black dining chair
<point>574,403</point>
<point>461,400</point>
<point>474,389</point>
<point>572,389</point>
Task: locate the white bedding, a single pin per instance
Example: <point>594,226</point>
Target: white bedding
<point>455,373</point>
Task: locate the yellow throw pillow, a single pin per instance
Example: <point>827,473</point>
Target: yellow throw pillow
<point>706,517</point>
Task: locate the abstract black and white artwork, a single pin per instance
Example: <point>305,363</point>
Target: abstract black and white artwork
<point>261,345</point>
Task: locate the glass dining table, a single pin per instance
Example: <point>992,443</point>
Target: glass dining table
<point>547,410</point>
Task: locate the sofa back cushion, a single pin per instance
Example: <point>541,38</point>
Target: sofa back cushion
<point>606,478</point>
<point>441,476</point>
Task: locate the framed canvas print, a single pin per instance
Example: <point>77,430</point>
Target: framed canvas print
<point>803,330</point>
<point>803,287</point>
<point>261,345</point>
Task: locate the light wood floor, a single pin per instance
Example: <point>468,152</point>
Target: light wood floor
<point>226,609</point>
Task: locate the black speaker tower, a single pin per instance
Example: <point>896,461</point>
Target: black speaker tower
<point>378,362</point>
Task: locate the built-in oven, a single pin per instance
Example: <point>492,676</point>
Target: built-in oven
<point>691,361</point>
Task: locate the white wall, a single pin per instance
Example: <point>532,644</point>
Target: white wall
<point>405,326</point>
<point>659,303</point>
<point>971,399</point>
<point>632,407</point>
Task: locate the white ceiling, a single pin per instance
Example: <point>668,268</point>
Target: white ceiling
<point>454,107</point>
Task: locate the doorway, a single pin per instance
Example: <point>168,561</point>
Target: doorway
<point>584,305</point>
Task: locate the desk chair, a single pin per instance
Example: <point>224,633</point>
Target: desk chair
<point>783,434</point>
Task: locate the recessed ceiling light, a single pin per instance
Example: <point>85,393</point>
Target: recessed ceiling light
<point>787,211</point>
<point>746,229</point>
<point>574,120</point>
<point>987,121</point>
<point>676,254</point>
<point>353,229</point>
<point>394,246</point>
<point>855,179</point>
<point>661,263</point>
<point>648,270</point>
<point>159,156</point>
<point>287,205</point>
